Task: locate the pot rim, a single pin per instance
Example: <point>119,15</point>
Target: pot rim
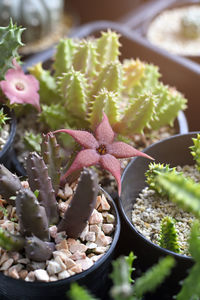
<point>76,277</point>
<point>131,225</point>
<point>12,132</point>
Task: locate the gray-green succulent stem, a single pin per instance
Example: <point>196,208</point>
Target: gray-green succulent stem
<point>81,205</point>
<point>50,151</point>
<point>168,235</point>
<point>38,250</point>
<point>32,216</point>
<point>39,179</point>
<point>11,242</point>
<point>9,183</point>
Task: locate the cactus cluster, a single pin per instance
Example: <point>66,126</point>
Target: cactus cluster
<point>37,208</point>
<point>89,79</point>
<point>182,190</point>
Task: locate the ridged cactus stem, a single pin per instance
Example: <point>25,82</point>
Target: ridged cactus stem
<point>38,250</point>
<point>51,155</point>
<point>168,235</point>
<point>11,242</point>
<point>9,183</point>
<point>81,205</point>
<point>196,150</point>
<point>39,179</point>
<point>32,216</point>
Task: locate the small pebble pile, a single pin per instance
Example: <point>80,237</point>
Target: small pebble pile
<point>149,209</point>
<point>71,256</point>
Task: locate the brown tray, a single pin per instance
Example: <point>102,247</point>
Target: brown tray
<point>176,71</point>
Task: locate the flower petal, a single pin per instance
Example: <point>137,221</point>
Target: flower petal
<point>84,138</point>
<point>111,164</point>
<point>123,150</point>
<point>104,133</point>
<point>84,158</point>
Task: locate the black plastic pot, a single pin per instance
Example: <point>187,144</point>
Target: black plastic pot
<point>95,278</point>
<point>7,154</point>
<point>173,151</point>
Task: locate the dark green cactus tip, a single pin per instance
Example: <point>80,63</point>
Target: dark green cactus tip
<point>81,205</point>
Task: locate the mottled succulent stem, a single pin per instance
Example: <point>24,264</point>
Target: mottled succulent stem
<point>81,205</point>
<point>51,155</point>
<point>9,183</point>
<point>32,216</point>
<point>38,250</point>
<point>11,242</point>
<point>39,180</point>
<point>168,235</point>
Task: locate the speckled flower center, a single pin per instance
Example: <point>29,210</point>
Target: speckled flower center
<point>101,149</point>
<point>19,86</point>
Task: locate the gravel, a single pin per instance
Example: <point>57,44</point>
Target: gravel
<point>149,209</point>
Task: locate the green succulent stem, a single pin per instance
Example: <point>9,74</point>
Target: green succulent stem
<point>195,150</point>
<point>11,242</point>
<point>168,235</point>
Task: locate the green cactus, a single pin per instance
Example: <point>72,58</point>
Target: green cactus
<point>190,286</point>
<point>153,172</point>
<point>39,179</point>
<point>87,190</point>
<point>90,79</point>
<point>10,40</point>
<point>168,235</point>
<point>196,150</point>
<point>32,141</point>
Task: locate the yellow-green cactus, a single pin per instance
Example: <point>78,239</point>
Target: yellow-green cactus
<point>196,150</point>
<point>88,73</point>
<point>168,235</point>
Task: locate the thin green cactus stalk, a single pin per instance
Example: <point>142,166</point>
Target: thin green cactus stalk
<point>32,141</point>
<point>153,277</point>
<point>63,56</point>
<point>137,115</point>
<point>3,118</point>
<point>48,86</point>
<point>81,205</point>
<point>154,171</point>
<point>85,58</point>
<point>50,151</point>
<point>78,292</point>
<point>190,286</point>
<point>108,47</point>
<point>122,288</point>
<point>32,216</point>
<point>11,242</point>
<point>181,190</point>
<point>104,101</point>
<point>9,183</point>
<point>38,250</point>
<point>10,40</point>
<point>195,150</point>
<point>168,235</point>
<point>73,88</point>
<point>39,179</point>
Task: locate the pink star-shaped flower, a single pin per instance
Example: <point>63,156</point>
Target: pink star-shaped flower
<point>101,149</point>
<point>20,88</point>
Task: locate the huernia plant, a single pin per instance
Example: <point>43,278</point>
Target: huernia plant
<point>100,149</point>
<point>15,85</point>
<point>37,207</point>
<point>168,235</point>
<point>89,79</point>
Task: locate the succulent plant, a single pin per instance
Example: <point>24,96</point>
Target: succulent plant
<point>196,150</point>
<point>168,235</point>
<point>89,79</point>
<point>37,208</point>
<point>100,149</point>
